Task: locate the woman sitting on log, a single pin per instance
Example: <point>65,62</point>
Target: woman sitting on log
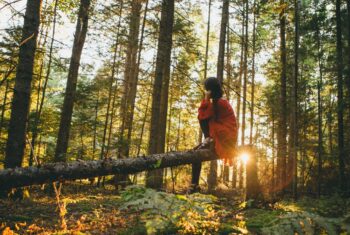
<point>218,123</point>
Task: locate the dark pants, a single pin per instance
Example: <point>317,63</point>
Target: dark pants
<point>196,167</point>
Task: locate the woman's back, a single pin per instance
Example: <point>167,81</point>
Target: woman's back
<point>222,125</point>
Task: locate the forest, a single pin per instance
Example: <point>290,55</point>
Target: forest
<point>99,116</point>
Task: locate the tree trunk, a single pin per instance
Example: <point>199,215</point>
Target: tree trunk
<point>130,78</point>
<point>319,110</point>
<point>273,181</point>
<point>39,109</point>
<point>159,96</point>
<point>253,191</point>
<point>340,101</point>
<point>4,104</point>
<point>294,105</point>
<point>245,78</point>
<point>21,98</point>
<point>239,88</point>
<point>239,85</point>
<point>207,44</point>
<point>19,177</point>
<point>348,75</point>
<point>110,88</point>
<point>94,142</point>
<point>282,122</point>
<point>245,72</point>
<point>113,111</point>
<point>222,43</point>
<point>212,177</point>
<point>169,121</point>
<point>67,109</point>
<point>226,168</point>
<point>256,15</point>
<point>143,124</point>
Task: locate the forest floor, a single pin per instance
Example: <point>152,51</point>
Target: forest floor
<point>86,209</point>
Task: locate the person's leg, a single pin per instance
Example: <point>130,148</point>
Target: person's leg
<point>205,127</point>
<point>196,167</point>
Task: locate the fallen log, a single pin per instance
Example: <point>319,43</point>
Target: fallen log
<point>51,172</point>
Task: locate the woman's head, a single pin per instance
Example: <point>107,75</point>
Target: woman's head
<point>214,86</point>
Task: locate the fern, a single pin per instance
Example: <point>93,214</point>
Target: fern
<point>193,214</point>
<point>302,222</point>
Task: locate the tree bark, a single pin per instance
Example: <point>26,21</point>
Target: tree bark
<point>40,107</point>
<point>15,146</point>
<point>256,15</point>
<point>245,81</point>
<point>226,168</point>
<point>68,103</point>
<point>319,110</point>
<point>239,174</point>
<point>207,45</point>
<point>114,109</point>
<point>282,119</point>
<point>143,124</point>
<point>130,78</point>
<point>253,191</point>
<point>294,105</point>
<point>19,177</point>
<point>160,87</point>
<point>4,104</point>
<point>239,82</point>
<point>273,180</point>
<point>94,141</point>
<point>245,72</point>
<point>222,42</point>
<point>213,175</point>
<point>110,88</point>
<point>348,75</point>
<point>340,101</point>
<point>149,96</point>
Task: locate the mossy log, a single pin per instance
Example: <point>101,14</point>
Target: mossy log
<point>60,171</point>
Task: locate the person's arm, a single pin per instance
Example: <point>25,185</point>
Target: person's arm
<point>205,110</point>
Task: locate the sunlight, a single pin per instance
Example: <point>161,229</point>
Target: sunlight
<point>244,157</point>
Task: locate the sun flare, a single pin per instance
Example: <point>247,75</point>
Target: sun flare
<point>244,158</point>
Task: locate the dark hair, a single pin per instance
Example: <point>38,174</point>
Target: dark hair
<point>213,85</point>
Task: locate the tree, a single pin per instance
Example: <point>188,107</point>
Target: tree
<point>222,42</point>
<point>15,146</point>
<point>319,106</point>
<point>340,101</point>
<point>41,103</point>
<point>245,72</point>
<point>68,103</point>
<point>255,26</point>
<point>52,172</point>
<point>130,78</point>
<point>348,75</point>
<point>207,42</point>
<point>160,87</point>
<point>239,88</point>
<point>282,122</point>
<point>212,177</point>
<point>294,105</point>
<point>110,86</point>
<point>245,81</point>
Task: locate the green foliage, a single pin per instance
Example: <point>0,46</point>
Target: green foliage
<point>305,223</point>
<point>307,216</point>
<point>163,212</point>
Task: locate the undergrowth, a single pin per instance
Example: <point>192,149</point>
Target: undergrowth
<point>139,210</point>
